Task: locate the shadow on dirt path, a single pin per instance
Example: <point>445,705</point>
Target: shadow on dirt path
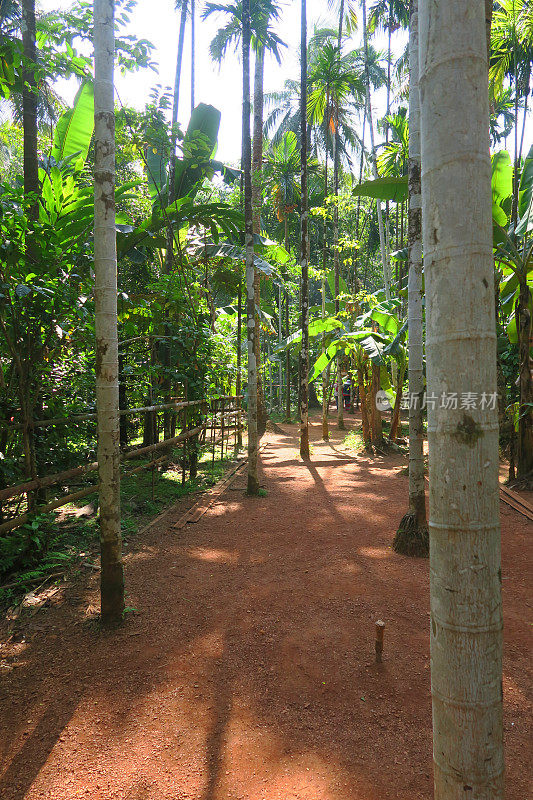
<point>247,672</point>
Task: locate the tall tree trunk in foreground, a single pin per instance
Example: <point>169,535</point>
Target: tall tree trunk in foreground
<point>257,196</point>
<point>304,244</point>
<point>105,297</point>
<point>465,572</point>
<point>253,482</point>
<point>382,243</point>
<point>412,537</point>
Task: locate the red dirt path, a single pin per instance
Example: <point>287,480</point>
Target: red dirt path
<point>248,673</point>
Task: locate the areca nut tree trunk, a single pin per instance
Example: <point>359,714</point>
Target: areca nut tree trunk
<point>253,482</point>
<point>336,264</point>
<point>304,244</point>
<point>412,535</point>
<point>31,190</point>
<point>193,53</point>
<point>169,255</point>
<point>336,268</point>
<point>465,571</point>
<point>169,252</point>
<point>325,426</point>
<point>257,194</point>
<point>105,297</point>
<point>381,227</point>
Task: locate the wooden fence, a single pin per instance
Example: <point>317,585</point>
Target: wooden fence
<point>218,416</point>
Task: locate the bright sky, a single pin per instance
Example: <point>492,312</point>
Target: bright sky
<point>157,21</point>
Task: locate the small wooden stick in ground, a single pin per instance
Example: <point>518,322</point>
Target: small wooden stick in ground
<point>380,630</point>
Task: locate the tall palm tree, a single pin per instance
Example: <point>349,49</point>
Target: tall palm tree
<point>334,89</point>
<point>253,482</point>
<point>304,243</point>
<point>263,38</point>
<point>282,169</point>
<point>383,247</point>
<point>465,566</point>
<point>412,535</point>
<point>105,298</point>
<point>31,191</point>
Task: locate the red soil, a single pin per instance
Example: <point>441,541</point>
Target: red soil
<point>249,670</point>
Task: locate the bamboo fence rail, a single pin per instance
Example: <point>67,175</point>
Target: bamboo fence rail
<point>212,408</point>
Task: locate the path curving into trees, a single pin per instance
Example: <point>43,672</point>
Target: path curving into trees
<point>248,671</point>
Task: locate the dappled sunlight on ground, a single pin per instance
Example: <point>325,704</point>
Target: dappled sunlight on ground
<point>247,670</point>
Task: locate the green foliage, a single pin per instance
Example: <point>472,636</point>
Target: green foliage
<point>74,129</point>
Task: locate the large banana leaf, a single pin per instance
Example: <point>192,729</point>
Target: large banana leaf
<point>525,197</point>
<point>235,253</point>
<point>343,287</point>
<point>345,343</point>
<point>501,184</point>
<point>74,128</point>
<point>198,147</point>
<point>388,188</point>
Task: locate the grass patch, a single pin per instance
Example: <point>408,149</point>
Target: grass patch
<point>48,546</point>
<point>354,441</point>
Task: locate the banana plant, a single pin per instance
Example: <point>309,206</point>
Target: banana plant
<point>514,258</point>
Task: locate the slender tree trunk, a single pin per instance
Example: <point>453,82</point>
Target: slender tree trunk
<point>164,348</point>
<point>377,424</point>
<point>193,53</point>
<point>412,536</point>
<point>31,189</point>
<point>336,260</point>
<point>257,196</point>
<point>238,387</point>
<point>287,332</point>
<point>105,296</point>
<point>382,243</point>
<point>280,337</point>
<point>465,567</point>
<point>304,244</point>
<point>358,213</point>
<point>525,422</point>
<point>287,363</point>
<point>179,61</point>
<point>395,419</point>
<point>336,268</point>
<point>325,429</point>
<point>489,5</point>
<point>253,481</point>
<point>364,406</point>
<point>175,109</point>
<point>122,399</point>
<point>29,107</point>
